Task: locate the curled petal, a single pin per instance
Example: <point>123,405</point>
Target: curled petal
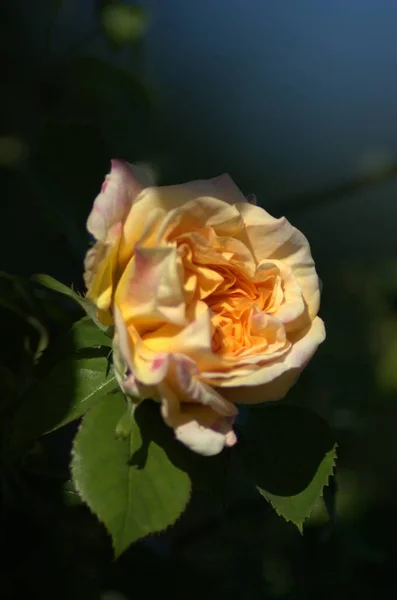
<point>124,363</point>
<point>193,340</point>
<point>191,389</point>
<point>276,239</point>
<point>205,440</point>
<point>198,427</point>
<point>289,305</point>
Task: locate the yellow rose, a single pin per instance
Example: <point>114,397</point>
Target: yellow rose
<point>214,301</point>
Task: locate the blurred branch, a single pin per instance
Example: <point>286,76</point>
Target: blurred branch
<point>313,199</point>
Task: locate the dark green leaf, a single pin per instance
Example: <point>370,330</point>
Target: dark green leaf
<point>52,284</point>
<point>71,388</point>
<point>131,483</point>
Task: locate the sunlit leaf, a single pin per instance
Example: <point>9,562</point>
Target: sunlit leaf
<point>86,334</point>
<point>130,483</point>
<point>289,452</point>
<point>298,508</point>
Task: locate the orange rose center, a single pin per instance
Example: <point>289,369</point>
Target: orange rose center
<point>240,303</point>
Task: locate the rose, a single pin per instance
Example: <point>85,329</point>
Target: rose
<point>214,301</point>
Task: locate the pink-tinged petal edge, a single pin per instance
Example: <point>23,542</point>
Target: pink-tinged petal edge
<point>118,192</point>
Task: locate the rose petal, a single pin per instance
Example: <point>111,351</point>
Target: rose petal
<point>205,440</point>
<point>101,282</point>
<point>198,427</point>
<point>191,389</point>
<point>292,305</point>
<point>221,188</point>
<point>151,291</point>
<point>225,189</point>
<point>276,239</point>
<point>115,199</point>
<point>192,340</point>
<point>123,354</point>
<point>159,204</point>
<point>273,380</point>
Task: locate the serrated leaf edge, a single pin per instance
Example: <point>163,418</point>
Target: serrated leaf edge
<point>117,552</point>
<point>299,525</point>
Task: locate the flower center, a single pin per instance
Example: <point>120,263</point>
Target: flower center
<point>236,305</point>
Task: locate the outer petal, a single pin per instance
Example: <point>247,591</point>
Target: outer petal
<point>221,187</point>
<point>272,381</point>
<point>101,281</point>
<point>157,204</point>
<point>276,239</point>
<point>188,214</point>
<point>150,291</point>
<point>111,206</point>
<point>204,439</point>
<point>119,190</point>
<point>192,390</point>
<point>123,361</point>
<point>198,427</point>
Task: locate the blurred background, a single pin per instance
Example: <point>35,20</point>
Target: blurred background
<point>297,101</point>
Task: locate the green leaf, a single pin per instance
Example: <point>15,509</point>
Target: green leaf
<point>71,388</point>
<point>289,452</point>
<point>56,286</point>
<point>130,484</point>
<point>207,473</point>
<point>298,508</point>
<point>86,334</point>
<point>123,24</point>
